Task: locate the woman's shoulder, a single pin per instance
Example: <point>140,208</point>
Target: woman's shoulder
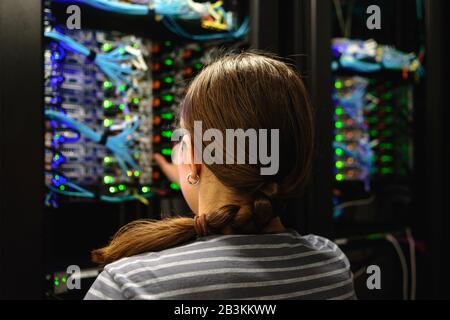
<point>323,244</point>
<point>319,242</point>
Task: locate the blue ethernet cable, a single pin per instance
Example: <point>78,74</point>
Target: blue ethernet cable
<point>111,63</point>
<point>353,104</point>
<point>118,144</point>
<point>174,27</point>
<point>360,56</point>
<point>90,195</point>
<point>169,10</point>
<point>81,192</point>
<point>179,8</point>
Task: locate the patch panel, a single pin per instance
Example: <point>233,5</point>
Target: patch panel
<point>353,152</point>
<point>373,119</point>
<point>84,94</point>
<point>80,90</point>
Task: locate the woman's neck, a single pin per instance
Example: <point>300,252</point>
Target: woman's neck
<point>213,195</point>
<point>213,198</point>
<point>274,226</point>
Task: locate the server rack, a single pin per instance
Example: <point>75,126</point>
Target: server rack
<point>312,25</point>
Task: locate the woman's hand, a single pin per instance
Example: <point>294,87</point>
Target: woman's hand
<point>169,169</point>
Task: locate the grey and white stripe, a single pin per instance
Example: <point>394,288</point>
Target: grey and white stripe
<point>270,266</point>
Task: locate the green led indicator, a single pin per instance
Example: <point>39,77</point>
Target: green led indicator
<point>166,152</point>
<point>108,179</point>
<point>107,84</point>
<point>145,189</point>
<point>56,157</point>
<point>136,173</point>
<point>166,134</point>
<point>339,124</point>
<point>122,187</point>
<point>198,66</point>
<point>376,236</point>
<point>339,152</point>
<point>64,279</point>
<point>57,177</point>
<point>387,146</point>
<point>174,186</point>
<point>167,43</point>
<point>167,116</point>
<point>387,96</point>
<point>106,47</point>
<point>112,189</point>
<point>107,160</point>
<point>107,104</point>
<point>122,87</point>
<point>168,62</point>
<point>136,100</point>
<point>168,80</point>
<point>122,106</point>
<point>339,164</point>
<point>167,98</point>
<point>386,158</point>
<point>387,109</point>
<point>387,171</point>
<point>62,188</point>
<point>107,123</point>
<point>56,283</point>
<point>339,138</point>
<point>340,177</point>
<point>373,133</point>
<point>338,85</point>
<point>339,111</point>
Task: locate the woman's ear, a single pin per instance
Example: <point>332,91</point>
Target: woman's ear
<point>188,154</point>
<point>195,168</point>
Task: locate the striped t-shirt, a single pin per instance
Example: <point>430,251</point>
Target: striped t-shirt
<point>270,266</point>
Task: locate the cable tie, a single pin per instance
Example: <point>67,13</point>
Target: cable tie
<point>104,137</point>
<point>92,55</point>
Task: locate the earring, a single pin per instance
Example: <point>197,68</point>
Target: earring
<point>191,180</point>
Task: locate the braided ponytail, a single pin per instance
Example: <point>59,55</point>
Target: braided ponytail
<point>155,235</point>
<point>143,236</point>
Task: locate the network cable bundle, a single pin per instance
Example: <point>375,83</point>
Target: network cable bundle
<point>370,57</point>
<point>373,102</point>
<point>112,99</point>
